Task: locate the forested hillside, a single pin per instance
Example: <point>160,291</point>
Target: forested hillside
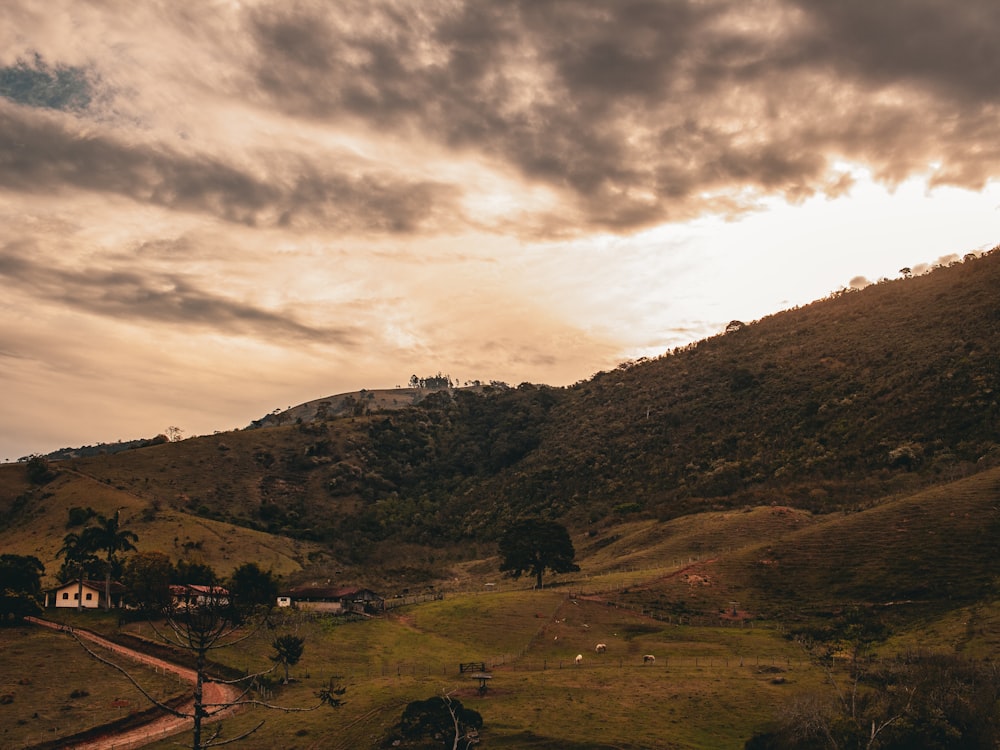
<point>833,405</point>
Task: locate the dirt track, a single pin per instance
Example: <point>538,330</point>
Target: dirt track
<point>213,692</point>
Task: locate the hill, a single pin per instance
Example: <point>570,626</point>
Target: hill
<point>828,475</point>
<point>837,406</point>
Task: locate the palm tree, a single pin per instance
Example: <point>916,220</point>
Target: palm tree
<point>110,538</point>
<point>79,555</point>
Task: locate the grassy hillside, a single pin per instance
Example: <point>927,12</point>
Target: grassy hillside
<point>908,562</point>
<point>38,521</point>
<point>836,406</point>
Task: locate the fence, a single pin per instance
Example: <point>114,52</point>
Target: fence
<point>603,662</point>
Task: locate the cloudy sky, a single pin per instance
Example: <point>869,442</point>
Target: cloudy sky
<point>210,209</point>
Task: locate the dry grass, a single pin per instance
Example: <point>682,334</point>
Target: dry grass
<point>180,535</point>
<point>55,689</point>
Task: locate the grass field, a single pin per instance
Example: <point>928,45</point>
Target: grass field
<point>55,689</point>
<point>709,687</point>
<point>924,562</point>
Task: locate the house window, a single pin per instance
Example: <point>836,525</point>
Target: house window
<point>76,596</point>
<point>65,595</point>
<point>89,596</point>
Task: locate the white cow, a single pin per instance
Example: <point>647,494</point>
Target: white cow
<point>601,648</point>
<point>648,659</point>
<point>579,659</point>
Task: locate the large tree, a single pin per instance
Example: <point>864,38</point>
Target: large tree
<point>534,545</point>
<point>20,586</point>
<point>147,577</point>
<point>111,539</point>
<point>250,587</point>
<point>194,573</point>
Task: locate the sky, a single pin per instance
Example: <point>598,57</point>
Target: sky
<point>211,209</point>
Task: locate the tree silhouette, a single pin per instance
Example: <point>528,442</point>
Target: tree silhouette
<point>20,586</point>
<point>111,539</point>
<point>39,469</point>
<point>249,586</point>
<point>534,545</point>
<point>288,650</point>
<point>147,577</point>
<point>189,572</point>
<point>79,558</point>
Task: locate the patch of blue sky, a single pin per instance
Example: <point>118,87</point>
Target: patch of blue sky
<point>37,84</point>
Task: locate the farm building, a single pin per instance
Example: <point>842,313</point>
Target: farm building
<point>184,596</point>
<point>333,600</point>
<point>84,593</point>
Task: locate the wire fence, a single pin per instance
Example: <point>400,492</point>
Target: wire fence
<point>602,662</point>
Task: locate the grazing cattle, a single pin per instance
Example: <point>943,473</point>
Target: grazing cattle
<point>601,648</point>
<point>579,659</point>
<point>648,659</point>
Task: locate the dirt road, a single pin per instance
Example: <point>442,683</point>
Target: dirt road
<point>213,692</point>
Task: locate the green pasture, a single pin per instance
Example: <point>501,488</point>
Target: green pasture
<point>648,545</point>
<point>716,679</point>
<point>709,687</point>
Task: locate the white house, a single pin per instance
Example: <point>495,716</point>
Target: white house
<point>91,593</point>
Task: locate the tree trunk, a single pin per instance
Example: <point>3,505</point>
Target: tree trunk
<point>199,708</point>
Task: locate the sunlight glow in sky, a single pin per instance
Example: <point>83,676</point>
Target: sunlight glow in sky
<point>214,209</point>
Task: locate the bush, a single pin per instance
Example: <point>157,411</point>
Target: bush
<point>79,516</point>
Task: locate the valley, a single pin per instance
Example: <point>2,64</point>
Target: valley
<point>802,505</point>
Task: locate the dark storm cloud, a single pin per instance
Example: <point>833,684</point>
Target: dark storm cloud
<point>640,111</point>
<point>136,296</point>
<point>948,48</point>
<point>41,154</point>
